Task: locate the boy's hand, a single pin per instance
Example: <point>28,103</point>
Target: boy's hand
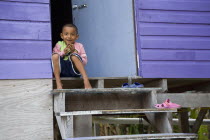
<point>71,47</point>
<point>67,50</point>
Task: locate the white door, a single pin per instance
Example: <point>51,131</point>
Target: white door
<point>106,29</point>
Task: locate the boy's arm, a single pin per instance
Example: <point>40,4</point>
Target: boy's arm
<point>57,50</point>
<point>83,55</point>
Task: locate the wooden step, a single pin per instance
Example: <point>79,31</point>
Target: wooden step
<point>113,112</point>
<point>139,136</point>
<point>105,90</point>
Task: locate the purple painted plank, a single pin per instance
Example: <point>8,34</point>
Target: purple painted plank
<point>190,5</point>
<point>175,42</point>
<point>24,11</point>
<point>183,55</point>
<point>174,16</point>
<point>25,69</point>
<point>176,69</point>
<point>174,29</point>
<point>25,30</point>
<point>19,49</point>
<point>30,1</point>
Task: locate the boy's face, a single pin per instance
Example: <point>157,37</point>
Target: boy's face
<point>69,35</point>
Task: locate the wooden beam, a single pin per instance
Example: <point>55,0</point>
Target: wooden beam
<point>113,112</point>
<point>158,120</point>
<point>105,90</point>
<point>160,83</point>
<point>100,83</point>
<point>193,100</point>
<point>209,125</point>
<point>100,78</point>
<point>199,119</point>
<point>183,120</point>
<point>139,136</point>
<point>65,124</point>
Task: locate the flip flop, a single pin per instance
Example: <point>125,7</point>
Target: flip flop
<point>167,104</point>
<point>136,85</point>
<point>171,105</point>
<point>125,85</point>
<point>160,106</point>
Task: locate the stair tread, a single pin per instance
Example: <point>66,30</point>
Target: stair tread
<point>120,111</point>
<point>137,136</point>
<point>105,90</point>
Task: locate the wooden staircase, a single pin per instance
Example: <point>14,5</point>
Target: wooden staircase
<point>74,109</point>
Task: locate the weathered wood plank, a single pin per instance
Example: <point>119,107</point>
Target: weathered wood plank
<point>26,109</point>
<point>114,120</point>
<point>19,49</point>
<point>131,101</point>
<point>106,90</point>
<point>104,78</point>
<point>83,126</point>
<point>99,83</point>
<point>159,119</point>
<point>201,5</point>
<point>199,120</point>
<point>184,120</point>
<point>174,29</point>
<point>10,29</point>
<point>139,136</point>
<point>25,69</point>
<point>24,11</point>
<point>105,112</point>
<point>161,83</point>
<point>193,100</point>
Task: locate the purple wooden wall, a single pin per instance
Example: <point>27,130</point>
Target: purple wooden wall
<point>173,38</point>
<point>25,39</point>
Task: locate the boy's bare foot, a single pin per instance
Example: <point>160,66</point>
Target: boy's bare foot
<point>87,84</point>
<point>59,85</point>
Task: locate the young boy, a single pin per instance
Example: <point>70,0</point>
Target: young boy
<point>69,57</point>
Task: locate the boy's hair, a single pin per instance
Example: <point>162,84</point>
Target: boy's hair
<point>70,25</point>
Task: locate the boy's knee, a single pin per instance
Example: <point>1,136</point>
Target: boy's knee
<point>55,56</point>
<point>74,58</point>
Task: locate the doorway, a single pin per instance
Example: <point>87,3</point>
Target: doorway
<point>61,13</point>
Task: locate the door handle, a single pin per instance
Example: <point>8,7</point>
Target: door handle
<point>82,6</point>
<point>74,7</point>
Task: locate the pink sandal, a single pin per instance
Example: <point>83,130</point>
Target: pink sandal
<point>160,106</point>
<point>167,104</point>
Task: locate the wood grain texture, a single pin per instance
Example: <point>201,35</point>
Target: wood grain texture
<point>192,100</point>
<point>24,30</point>
<point>109,112</point>
<point>26,109</point>
<point>25,69</point>
<point>24,11</point>
<point>25,49</point>
<point>139,136</point>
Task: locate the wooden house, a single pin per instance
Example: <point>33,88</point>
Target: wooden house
<point>122,38</point>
